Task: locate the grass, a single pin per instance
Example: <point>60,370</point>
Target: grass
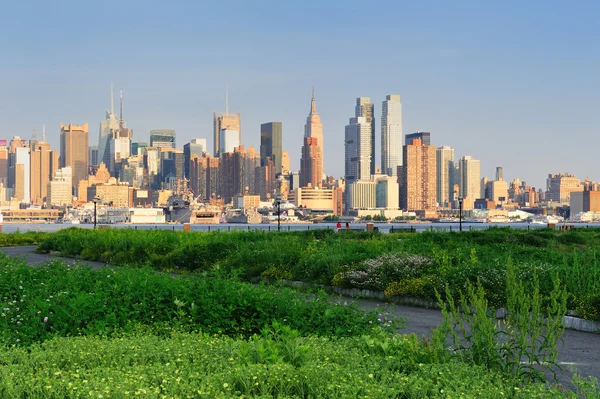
<point>327,257</point>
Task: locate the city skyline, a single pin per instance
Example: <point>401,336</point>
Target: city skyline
<point>505,93</point>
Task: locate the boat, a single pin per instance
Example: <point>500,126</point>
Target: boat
<point>243,216</point>
<point>498,219</point>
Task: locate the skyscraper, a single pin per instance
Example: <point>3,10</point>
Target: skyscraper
<point>311,163</point>
<point>225,122</point>
<point>196,147</point>
<point>366,109</point>
<point>418,177</point>
<point>43,163</point>
<point>270,144</point>
<point>107,128</point>
<point>163,138</point>
<point>391,135</point>
<point>469,180</point>
<point>358,149</point>
<point>425,138</point>
<point>444,171</point>
<point>74,150</point>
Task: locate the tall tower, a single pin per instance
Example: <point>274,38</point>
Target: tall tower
<point>108,127</point>
<point>358,149</point>
<point>225,122</point>
<point>43,162</point>
<point>469,180</point>
<point>74,150</point>
<point>391,135</point>
<point>270,144</point>
<point>417,177</point>
<point>444,173</point>
<point>366,109</point>
<point>311,163</point>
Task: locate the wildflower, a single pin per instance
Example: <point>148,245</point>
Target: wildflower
<point>225,385</point>
<point>46,319</point>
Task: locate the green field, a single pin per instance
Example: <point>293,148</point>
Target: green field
<point>402,264</point>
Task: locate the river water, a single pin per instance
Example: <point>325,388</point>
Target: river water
<point>382,227</point>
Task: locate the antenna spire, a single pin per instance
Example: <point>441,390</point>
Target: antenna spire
<point>44,133</point>
<point>313,90</point>
<point>33,135</point>
<point>226,100</point>
<point>121,109</point>
<point>112,103</point>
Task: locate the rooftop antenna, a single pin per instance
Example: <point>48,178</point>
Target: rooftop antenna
<point>226,100</point>
<point>121,110</point>
<point>33,135</point>
<point>44,133</point>
<point>112,103</point>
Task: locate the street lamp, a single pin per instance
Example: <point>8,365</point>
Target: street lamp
<point>278,203</point>
<point>95,200</point>
<point>460,203</point>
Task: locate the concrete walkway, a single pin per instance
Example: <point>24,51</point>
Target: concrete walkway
<point>578,349</point>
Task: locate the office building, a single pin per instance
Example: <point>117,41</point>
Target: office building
<point>311,162</point>
<point>417,177</point>
<point>391,135</point>
<point>559,187</point>
<point>108,127</point>
<point>225,122</point>
<point>358,147</point>
<point>138,148</point>
<point>43,163</point>
<point>387,192</point>
<point>444,174</point>
<point>196,147</point>
<point>469,180</point>
<point>74,150</point>
<point>425,138</point>
<point>318,200</point>
<point>60,189</point>
<point>361,194</point>
<point>20,171</point>
<point>3,163</point>
<point>271,145</point>
<point>366,109</point>
<point>164,138</point>
<point>229,141</point>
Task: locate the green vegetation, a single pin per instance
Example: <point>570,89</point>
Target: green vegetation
<point>27,238</point>
<point>401,264</point>
<point>73,332</point>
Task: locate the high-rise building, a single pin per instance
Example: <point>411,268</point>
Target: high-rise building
<point>358,149</point>
<point>225,122</point>
<point>499,173</point>
<point>444,171</point>
<point>164,138</point>
<point>74,150</point>
<point>108,126</point>
<point>138,148</point>
<point>60,189</point>
<point>469,180</point>
<point>20,170</point>
<point>366,109</point>
<point>3,164</point>
<point>229,140</point>
<point>417,177</point>
<point>271,145</point>
<point>311,163</point>
<point>204,177</point>
<point>93,155</point>
<point>391,135</point>
<point>387,192</point>
<point>425,138</point>
<point>43,163</point>
<point>196,147</point>
<point>559,187</point>
<point>238,172</point>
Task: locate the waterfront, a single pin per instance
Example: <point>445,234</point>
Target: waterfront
<point>382,227</point>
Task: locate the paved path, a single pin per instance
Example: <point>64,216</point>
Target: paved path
<point>578,349</point>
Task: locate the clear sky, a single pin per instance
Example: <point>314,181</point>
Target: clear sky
<point>512,83</point>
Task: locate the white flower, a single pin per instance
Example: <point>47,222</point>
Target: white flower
<point>46,319</point>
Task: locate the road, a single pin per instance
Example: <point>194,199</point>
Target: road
<point>578,349</point>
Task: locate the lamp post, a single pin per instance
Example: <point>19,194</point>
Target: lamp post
<point>278,203</point>
<point>95,200</point>
<point>460,204</point>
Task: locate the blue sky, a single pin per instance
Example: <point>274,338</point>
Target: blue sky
<point>514,84</point>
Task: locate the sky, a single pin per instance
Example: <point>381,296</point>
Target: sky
<point>513,84</point>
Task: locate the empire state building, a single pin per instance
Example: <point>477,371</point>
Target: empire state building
<point>311,163</point>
